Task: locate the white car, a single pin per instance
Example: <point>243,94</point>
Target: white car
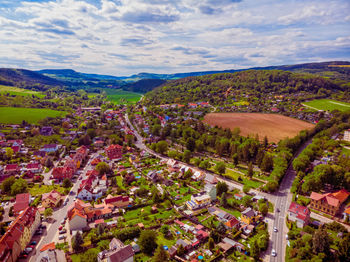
<point>273,253</point>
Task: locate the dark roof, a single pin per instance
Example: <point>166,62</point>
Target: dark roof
<point>122,254</point>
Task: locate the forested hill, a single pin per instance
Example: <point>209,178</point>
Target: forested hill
<point>27,79</point>
<point>218,88</point>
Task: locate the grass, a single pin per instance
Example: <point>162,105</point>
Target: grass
<point>328,105</point>
<point>36,190</point>
<point>19,91</point>
<point>244,180</point>
<point>117,96</point>
<point>15,115</point>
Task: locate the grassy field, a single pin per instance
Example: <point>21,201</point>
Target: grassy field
<point>15,115</point>
<point>327,105</point>
<point>19,91</point>
<point>117,96</point>
<point>36,190</point>
<point>274,126</point>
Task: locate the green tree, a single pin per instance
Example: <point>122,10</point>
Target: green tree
<point>6,185</point>
<point>48,212</point>
<point>147,241</point>
<point>254,250</point>
<point>190,144</point>
<point>211,243</point>
<point>181,251</point>
<point>186,156</point>
<point>9,152</point>
<point>267,163</point>
<point>221,228</point>
<point>221,187</point>
<point>162,147</point>
<point>321,241</point>
<point>49,162</point>
<point>246,189</point>
<point>250,170</point>
<point>103,168</point>
<point>77,241</point>
<point>20,186</point>
<point>164,229</point>
<point>220,167</point>
<point>223,200</point>
<point>66,183</point>
<point>263,209</point>
<point>160,255</point>
<point>84,140</point>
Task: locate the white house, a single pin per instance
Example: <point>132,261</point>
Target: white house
<point>77,221</point>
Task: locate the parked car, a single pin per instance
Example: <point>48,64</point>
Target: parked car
<point>275,229</point>
<point>23,255</point>
<point>60,228</point>
<point>38,232</point>
<point>62,237</point>
<point>33,243</point>
<point>28,249</point>
<point>43,226</point>
<point>63,222</point>
<point>273,253</point>
<point>278,210</point>
<point>63,231</point>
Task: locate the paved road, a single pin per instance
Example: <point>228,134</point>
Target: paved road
<point>59,214</point>
<point>327,220</point>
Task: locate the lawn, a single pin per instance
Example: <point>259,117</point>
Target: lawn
<point>117,96</point>
<point>36,190</point>
<point>19,91</point>
<point>328,105</point>
<point>244,180</point>
<point>15,115</point>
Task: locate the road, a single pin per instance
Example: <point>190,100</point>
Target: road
<point>281,199</point>
<point>59,214</point>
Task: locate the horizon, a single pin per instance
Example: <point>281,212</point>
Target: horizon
<point>122,38</point>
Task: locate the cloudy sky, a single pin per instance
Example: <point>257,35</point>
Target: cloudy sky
<point>123,37</point>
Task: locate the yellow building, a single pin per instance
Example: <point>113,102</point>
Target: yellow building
<point>249,216</point>
<point>51,199</point>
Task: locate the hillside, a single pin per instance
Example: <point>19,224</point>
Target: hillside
<point>218,88</point>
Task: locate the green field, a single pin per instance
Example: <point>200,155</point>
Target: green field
<point>117,96</point>
<point>19,91</point>
<point>15,115</point>
<point>327,105</point>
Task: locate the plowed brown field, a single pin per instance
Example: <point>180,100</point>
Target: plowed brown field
<point>275,127</point>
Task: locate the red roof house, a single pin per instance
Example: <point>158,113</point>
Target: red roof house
<point>22,202</point>
<point>114,151</point>
<point>299,214</point>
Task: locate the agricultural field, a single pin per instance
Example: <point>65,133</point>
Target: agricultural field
<point>327,105</point>
<point>15,115</point>
<point>119,96</point>
<point>275,127</point>
<point>19,91</point>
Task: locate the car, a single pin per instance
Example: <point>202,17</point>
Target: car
<point>63,231</point>
<point>63,222</point>
<point>38,232</point>
<point>32,246</point>
<point>275,229</point>
<point>43,226</point>
<point>62,237</point>
<point>287,236</point>
<point>28,249</point>
<point>23,255</point>
<point>278,210</point>
<point>33,243</point>
<point>273,253</point>
<point>60,228</point>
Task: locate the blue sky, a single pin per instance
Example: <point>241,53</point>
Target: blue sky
<point>123,37</point>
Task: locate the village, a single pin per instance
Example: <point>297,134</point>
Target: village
<point>72,194</point>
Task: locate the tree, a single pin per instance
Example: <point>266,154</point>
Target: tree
<point>254,250</point>
<point>181,250</point>
<point>223,200</point>
<point>263,209</point>
<point>84,140</point>
<point>48,212</point>
<point>48,162</point>
<point>250,170</point>
<point>247,201</point>
<point>220,167</point>
<point>103,168</point>
<point>221,187</point>
<point>100,230</point>
<point>190,144</point>
<point>246,189</point>
<point>160,255</point>
<point>9,152</point>
<point>6,185</point>
<point>164,229</point>
<point>20,186</point>
<point>66,183</point>
<point>221,228</point>
<point>211,243</point>
<point>235,159</point>
<point>267,163</point>
<point>320,241</point>
<point>162,147</point>
<point>344,248</point>
<point>77,241</point>
<point>147,241</point>
<point>186,156</point>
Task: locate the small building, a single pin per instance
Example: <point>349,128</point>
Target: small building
<point>347,135</point>
<point>299,214</point>
<point>22,202</point>
<point>114,151</point>
<point>249,216</point>
<point>51,199</point>
<point>46,131</point>
<point>346,213</point>
<point>199,200</point>
<point>117,252</point>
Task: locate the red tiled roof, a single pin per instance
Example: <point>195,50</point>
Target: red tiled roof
<point>341,195</point>
<point>50,246</point>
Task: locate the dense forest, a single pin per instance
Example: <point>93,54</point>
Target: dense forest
<point>218,88</point>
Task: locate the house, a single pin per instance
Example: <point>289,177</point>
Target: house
<point>117,252</point>
<point>22,202</point>
<point>249,216</point>
<point>12,169</point>
<point>19,234</point>
<point>198,175</point>
<point>34,167</point>
<point>346,213</point>
<point>153,176</point>
<point>347,135</point>
<point>238,246</point>
<point>330,202</point>
<point>238,196</point>
<point>210,179</point>
<point>117,201</point>
<point>49,148</point>
<point>114,151</point>
<point>185,243</point>
<point>51,199</point>
<point>232,223</point>
<point>299,214</point>
<point>46,131</point>
<point>199,200</point>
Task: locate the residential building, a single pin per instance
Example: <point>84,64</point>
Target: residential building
<point>12,169</point>
<point>117,201</point>
<point>51,199</point>
<point>330,202</point>
<point>249,216</point>
<point>117,252</point>
<point>49,148</point>
<point>299,214</point>
<point>347,135</point>
<point>22,202</point>
<point>34,167</point>
<point>114,151</point>
<point>46,131</point>
<point>199,200</point>
<point>346,213</point>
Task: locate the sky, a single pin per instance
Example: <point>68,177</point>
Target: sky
<point>125,37</point>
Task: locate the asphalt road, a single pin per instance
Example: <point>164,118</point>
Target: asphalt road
<point>59,214</point>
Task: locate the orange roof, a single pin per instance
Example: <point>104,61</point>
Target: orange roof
<point>341,195</point>
<point>347,210</point>
<point>50,246</point>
